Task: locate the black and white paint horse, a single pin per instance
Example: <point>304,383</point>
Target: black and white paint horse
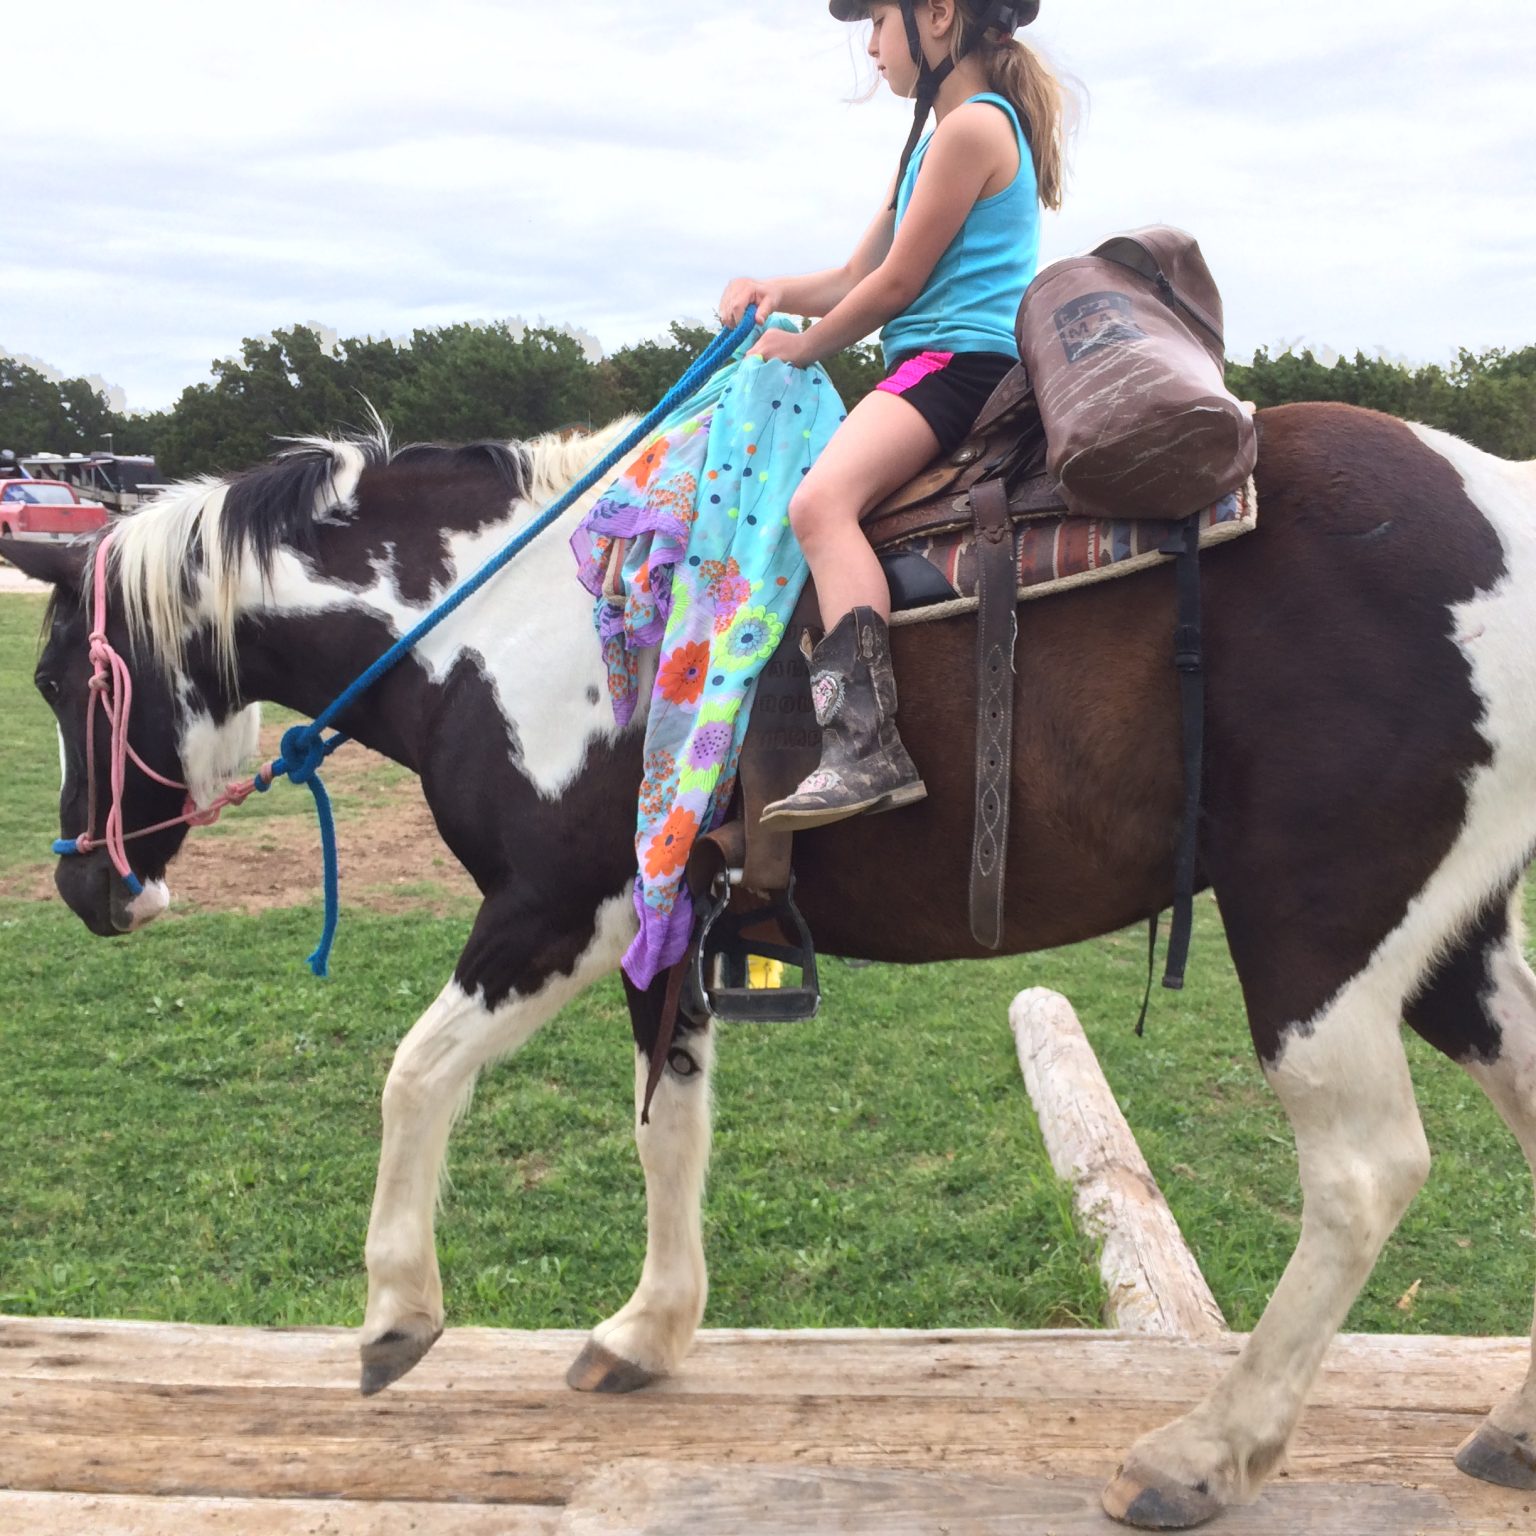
<point>1370,808</point>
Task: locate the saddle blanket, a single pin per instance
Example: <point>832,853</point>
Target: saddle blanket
<point>1056,554</point>
<point>711,573</point>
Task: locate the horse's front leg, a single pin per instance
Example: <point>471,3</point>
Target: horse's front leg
<point>504,988</point>
<point>651,1333</point>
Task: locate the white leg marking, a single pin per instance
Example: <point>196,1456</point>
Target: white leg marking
<point>431,1079</point>
<point>1510,1082</point>
<point>1363,1157</point>
<point>655,1327</point>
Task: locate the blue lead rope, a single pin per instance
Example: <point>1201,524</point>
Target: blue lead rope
<point>300,756</point>
<point>305,747</point>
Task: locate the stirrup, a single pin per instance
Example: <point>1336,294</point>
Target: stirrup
<point>718,980</point>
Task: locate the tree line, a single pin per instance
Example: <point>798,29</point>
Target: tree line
<point>465,382</point>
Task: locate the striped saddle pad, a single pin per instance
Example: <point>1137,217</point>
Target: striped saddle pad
<point>933,575</point>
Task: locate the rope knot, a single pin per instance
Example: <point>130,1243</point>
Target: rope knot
<point>197,818</point>
<point>238,793</point>
<point>303,753</point>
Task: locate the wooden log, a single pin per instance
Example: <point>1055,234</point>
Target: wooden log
<point>659,1498</point>
<point>1154,1284</point>
<point>488,1448</point>
<point>1387,1371</point>
<point>90,1514</point>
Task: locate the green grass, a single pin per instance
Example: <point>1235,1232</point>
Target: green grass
<point>189,1127</point>
<point>29,753</point>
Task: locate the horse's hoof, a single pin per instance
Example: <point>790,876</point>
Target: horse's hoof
<point>597,1369</point>
<point>388,1357</point>
<point>1151,1506</point>
<point>1496,1456</point>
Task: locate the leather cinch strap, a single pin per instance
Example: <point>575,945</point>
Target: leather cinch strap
<point>997,627</point>
<point>1188,658</point>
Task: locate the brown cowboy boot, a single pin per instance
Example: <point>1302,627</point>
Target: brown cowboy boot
<point>864,766</point>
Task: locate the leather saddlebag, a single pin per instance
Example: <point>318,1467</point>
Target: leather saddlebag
<point>1124,350</point>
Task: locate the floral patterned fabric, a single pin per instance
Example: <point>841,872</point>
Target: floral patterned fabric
<point>711,575</point>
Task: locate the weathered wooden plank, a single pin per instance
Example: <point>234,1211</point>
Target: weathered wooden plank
<point>1153,1282</point>
<point>650,1498</point>
<point>535,1448</point>
<point>86,1514</point>
<point>1391,1371</point>
<point>657,1498</point>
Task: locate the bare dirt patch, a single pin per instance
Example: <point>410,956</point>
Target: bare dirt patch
<point>391,857</point>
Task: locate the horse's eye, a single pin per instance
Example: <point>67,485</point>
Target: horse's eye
<point>48,687</point>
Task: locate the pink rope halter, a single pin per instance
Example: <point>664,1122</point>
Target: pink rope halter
<point>111,686</point>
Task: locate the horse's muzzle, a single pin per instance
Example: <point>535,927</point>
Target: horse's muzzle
<point>97,895</point>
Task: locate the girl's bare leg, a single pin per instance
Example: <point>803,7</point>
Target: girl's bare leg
<point>881,446</point>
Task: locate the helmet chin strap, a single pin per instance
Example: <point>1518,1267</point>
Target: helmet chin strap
<point>931,78</point>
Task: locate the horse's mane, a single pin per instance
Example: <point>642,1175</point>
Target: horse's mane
<point>557,458</point>
<point>205,549</point>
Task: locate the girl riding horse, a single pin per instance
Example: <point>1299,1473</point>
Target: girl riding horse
<point>943,268</point>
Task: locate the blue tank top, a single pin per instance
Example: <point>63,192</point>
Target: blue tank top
<point>971,299</point>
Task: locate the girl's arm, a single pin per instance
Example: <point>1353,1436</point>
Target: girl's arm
<point>815,293</point>
<point>971,144</point>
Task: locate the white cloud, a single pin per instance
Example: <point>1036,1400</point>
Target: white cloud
<point>1360,173</point>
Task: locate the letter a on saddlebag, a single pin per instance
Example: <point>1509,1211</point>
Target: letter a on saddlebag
<point>1124,350</point>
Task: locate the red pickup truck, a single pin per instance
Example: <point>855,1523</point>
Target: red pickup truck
<point>46,509</point>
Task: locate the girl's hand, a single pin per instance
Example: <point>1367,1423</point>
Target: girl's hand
<point>743,291</point>
<point>789,346</point>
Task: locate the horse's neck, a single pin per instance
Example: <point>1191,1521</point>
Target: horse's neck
<point>521,655</point>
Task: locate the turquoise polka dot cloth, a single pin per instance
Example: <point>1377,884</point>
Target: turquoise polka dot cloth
<point>711,573</point>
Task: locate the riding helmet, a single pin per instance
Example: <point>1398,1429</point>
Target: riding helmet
<point>1024,12</point>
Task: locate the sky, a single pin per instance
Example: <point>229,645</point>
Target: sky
<point>1361,174</point>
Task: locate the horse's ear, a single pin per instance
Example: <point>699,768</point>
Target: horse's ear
<point>61,564</point>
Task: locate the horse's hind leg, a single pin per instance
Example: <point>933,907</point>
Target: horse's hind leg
<point>651,1333</point>
<point>1343,1079</point>
<point>1479,1007</point>
<point>429,1083</point>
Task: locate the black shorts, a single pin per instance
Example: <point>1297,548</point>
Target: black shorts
<point>948,389</point>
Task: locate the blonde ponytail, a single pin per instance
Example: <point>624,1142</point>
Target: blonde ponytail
<point>1016,71</point>
<point>1045,106</point>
